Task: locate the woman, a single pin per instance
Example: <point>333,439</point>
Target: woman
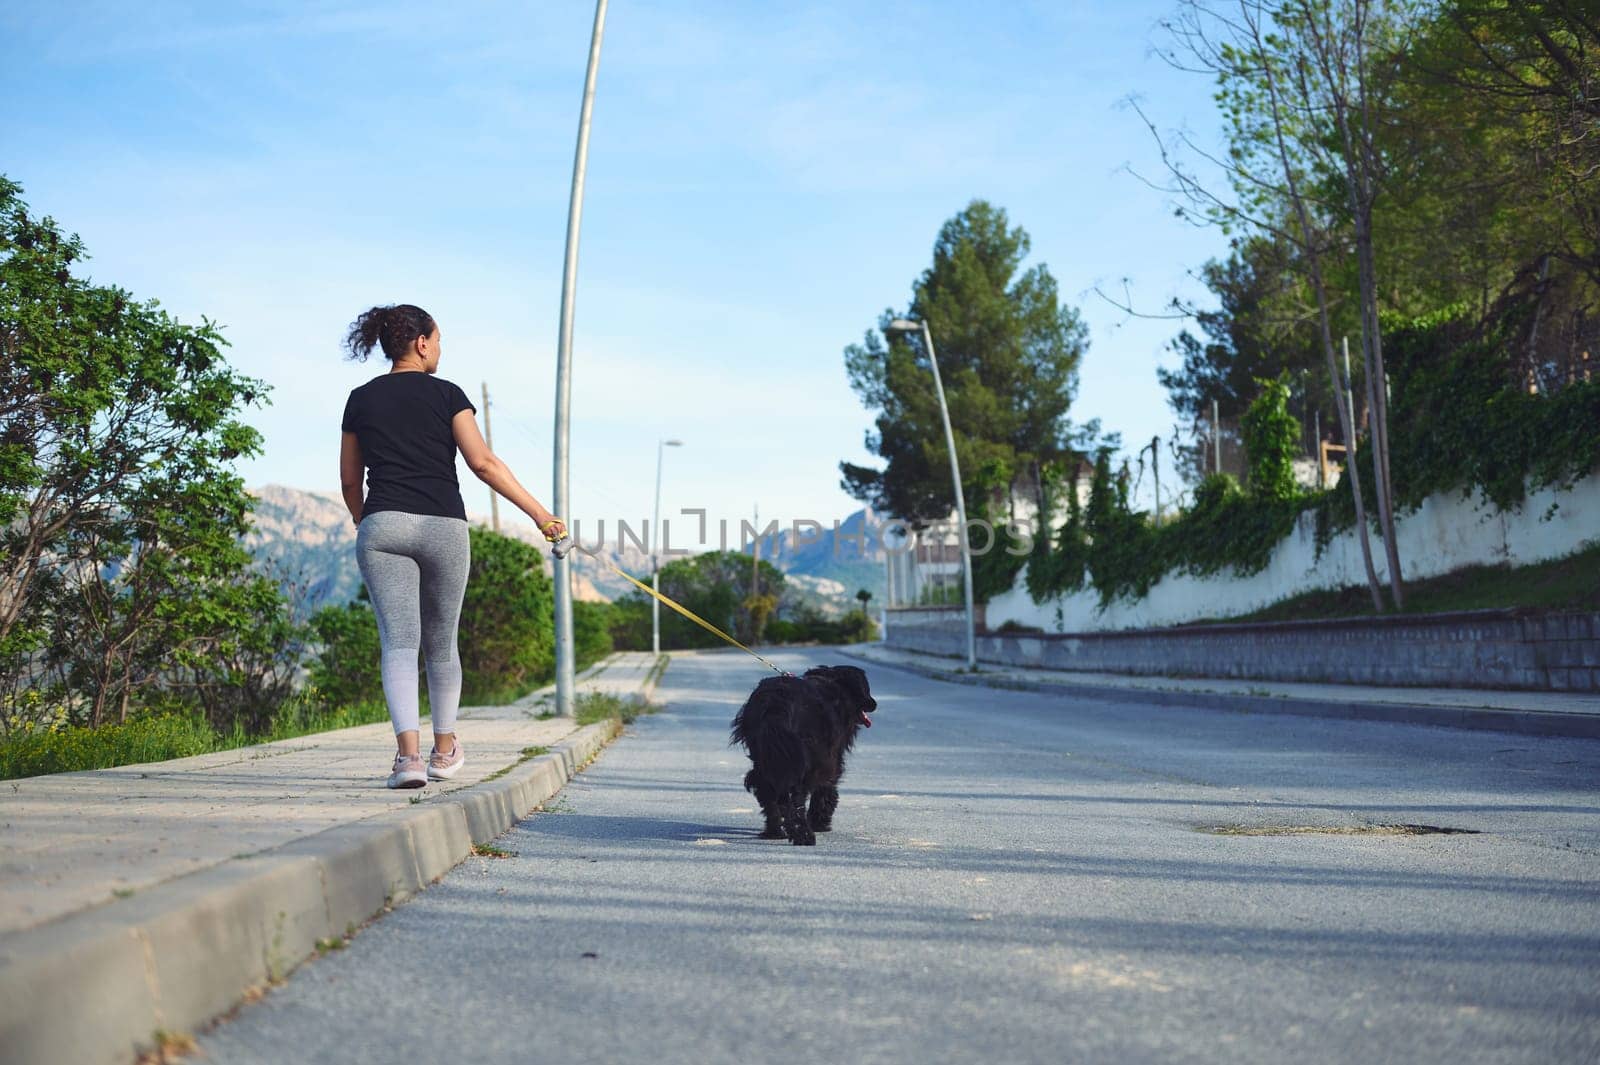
<point>405,428</point>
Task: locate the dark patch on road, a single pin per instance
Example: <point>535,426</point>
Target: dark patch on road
<point>1335,830</point>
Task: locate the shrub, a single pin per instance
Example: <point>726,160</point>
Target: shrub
<point>507,637</point>
<point>591,632</point>
<point>1271,441</point>
<point>346,670</point>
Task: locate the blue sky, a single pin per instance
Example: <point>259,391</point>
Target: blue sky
<point>764,179</point>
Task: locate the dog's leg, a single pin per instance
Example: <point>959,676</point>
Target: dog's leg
<point>824,801</point>
<point>795,824</point>
<point>769,807</point>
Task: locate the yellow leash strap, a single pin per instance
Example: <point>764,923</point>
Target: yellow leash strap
<point>685,611</point>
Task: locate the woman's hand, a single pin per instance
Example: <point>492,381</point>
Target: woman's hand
<point>552,527</point>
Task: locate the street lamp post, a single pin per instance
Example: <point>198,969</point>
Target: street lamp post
<point>655,550</point>
<point>566,681</point>
<point>909,325</point>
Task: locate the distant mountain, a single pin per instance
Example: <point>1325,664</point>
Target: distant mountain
<point>834,564</point>
<point>309,538</point>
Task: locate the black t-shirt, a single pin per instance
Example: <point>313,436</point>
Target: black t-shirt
<point>403,423</point>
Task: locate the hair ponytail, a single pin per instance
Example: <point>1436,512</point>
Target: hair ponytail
<point>393,327</point>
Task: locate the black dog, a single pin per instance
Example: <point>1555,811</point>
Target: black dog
<point>798,730</point>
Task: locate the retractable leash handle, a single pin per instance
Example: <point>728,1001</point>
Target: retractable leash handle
<point>560,546</point>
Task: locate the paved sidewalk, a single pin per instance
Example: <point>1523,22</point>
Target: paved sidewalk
<point>77,840</point>
<point>1543,713</point>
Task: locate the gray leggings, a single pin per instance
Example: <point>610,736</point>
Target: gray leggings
<point>415,566</point>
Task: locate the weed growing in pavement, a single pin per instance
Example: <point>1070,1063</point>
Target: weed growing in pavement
<point>169,1047</point>
<point>527,753</point>
<point>654,676</point>
<point>593,707</point>
<point>489,850</point>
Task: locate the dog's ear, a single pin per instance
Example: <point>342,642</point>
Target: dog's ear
<point>855,679</point>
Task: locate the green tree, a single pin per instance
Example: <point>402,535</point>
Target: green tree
<point>716,585</point>
<point>120,510</point>
<point>1261,327</point>
<point>1008,352</point>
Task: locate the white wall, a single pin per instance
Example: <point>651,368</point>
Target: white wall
<point>1448,532</point>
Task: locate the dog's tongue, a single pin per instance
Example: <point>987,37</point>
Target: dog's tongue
<point>865,720</point>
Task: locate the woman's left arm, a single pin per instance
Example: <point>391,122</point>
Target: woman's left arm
<point>350,474</point>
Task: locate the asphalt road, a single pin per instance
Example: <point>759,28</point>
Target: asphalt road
<point>1013,877</point>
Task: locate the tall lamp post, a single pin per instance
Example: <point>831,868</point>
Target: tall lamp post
<point>655,550</point>
<point>909,325</point>
<point>561,497</point>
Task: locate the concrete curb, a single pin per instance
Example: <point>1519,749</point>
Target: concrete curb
<point>96,986</point>
<point>1523,722</point>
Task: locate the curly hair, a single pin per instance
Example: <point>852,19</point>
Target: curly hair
<point>394,327</point>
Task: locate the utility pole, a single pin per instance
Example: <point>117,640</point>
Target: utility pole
<point>1349,401</point>
<point>1216,440</point>
<point>488,438</point>
<point>1322,464</point>
<point>910,325</point>
<point>755,555</point>
<point>655,549</point>
<point>1155,468</point>
<point>566,681</point>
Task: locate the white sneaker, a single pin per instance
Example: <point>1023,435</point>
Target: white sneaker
<point>445,766</point>
<point>410,771</point>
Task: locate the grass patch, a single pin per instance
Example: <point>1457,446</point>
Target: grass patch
<point>158,737</point>
<point>67,750</point>
<point>1571,583</point>
<point>169,1047</point>
<point>489,850</point>
<point>527,753</point>
<point>592,707</point>
<point>302,718</point>
<point>654,676</point>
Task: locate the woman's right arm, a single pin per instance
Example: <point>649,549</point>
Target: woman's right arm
<point>489,469</point>
<point>350,469</point>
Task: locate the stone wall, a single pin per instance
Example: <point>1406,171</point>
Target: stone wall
<point>1447,533</point>
<point>1474,649</point>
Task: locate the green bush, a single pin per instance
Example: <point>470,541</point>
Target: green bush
<point>507,636</point>
<point>1271,441</point>
<point>591,632</point>
<point>811,626</point>
<point>346,669</point>
<point>628,623</point>
<point>1228,528</point>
